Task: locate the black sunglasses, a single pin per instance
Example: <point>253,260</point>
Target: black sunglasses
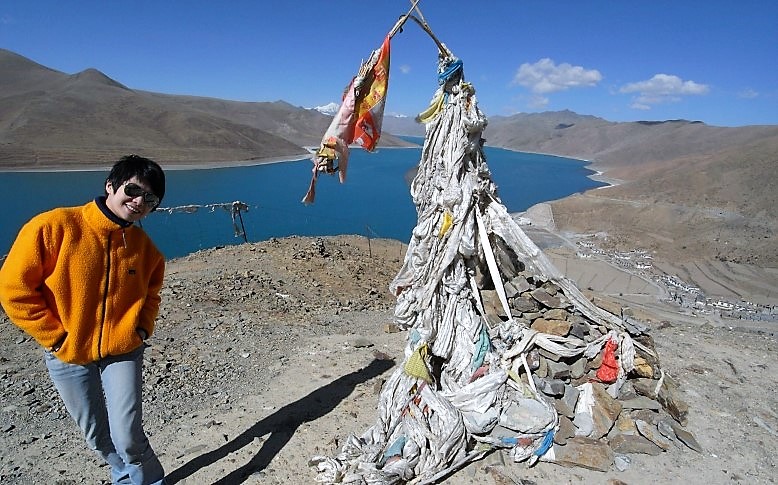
<point>135,190</point>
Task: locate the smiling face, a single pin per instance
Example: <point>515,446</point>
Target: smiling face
<point>131,209</point>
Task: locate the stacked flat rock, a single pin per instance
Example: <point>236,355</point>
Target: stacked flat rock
<point>640,414</point>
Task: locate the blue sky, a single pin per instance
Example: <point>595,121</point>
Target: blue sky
<point>709,60</point>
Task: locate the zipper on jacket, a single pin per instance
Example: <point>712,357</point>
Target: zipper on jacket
<point>124,239</point>
<point>105,297</point>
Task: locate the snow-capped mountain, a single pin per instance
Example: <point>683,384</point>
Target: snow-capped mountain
<point>328,109</point>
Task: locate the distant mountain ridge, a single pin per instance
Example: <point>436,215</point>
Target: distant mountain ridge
<point>674,157</point>
<point>49,119</point>
<point>615,145</point>
<point>684,188</point>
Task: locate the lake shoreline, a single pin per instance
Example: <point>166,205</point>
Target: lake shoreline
<point>597,176</point>
<point>81,167</point>
<point>165,165</point>
<point>267,186</point>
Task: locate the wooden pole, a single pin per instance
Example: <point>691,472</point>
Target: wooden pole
<point>242,227</point>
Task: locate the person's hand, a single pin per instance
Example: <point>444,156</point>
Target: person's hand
<point>55,348</point>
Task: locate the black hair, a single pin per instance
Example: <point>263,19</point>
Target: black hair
<point>146,170</point>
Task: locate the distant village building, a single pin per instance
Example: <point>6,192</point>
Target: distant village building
<point>680,292</point>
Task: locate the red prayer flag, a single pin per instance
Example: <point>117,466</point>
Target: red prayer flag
<point>609,370</point>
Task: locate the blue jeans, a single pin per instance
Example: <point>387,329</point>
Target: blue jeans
<point>104,398</point>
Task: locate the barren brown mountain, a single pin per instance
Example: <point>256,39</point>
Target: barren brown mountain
<point>49,119</point>
<point>684,189</point>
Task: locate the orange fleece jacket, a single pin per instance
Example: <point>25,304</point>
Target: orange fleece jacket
<point>77,278</point>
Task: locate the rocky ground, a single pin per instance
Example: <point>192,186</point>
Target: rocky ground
<point>267,354</point>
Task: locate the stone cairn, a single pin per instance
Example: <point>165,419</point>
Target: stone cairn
<point>601,419</point>
<point>503,353</point>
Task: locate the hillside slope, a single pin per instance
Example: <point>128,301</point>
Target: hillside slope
<point>49,119</point>
<point>686,189</point>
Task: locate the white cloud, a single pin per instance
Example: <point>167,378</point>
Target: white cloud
<point>748,93</point>
<point>537,101</point>
<point>405,68</point>
<point>640,106</point>
<point>662,88</point>
<point>546,77</point>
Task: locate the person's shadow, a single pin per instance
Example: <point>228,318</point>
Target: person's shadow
<point>281,426</point>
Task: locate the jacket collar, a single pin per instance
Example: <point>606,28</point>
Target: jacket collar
<point>100,203</point>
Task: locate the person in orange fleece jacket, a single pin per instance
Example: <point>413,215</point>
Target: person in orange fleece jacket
<point>84,282</point>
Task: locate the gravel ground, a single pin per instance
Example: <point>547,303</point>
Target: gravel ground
<point>267,354</point>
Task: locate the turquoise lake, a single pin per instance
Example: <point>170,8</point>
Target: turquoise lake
<point>374,201</point>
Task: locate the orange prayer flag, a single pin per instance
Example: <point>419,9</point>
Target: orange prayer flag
<point>358,119</point>
<point>370,110</point>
